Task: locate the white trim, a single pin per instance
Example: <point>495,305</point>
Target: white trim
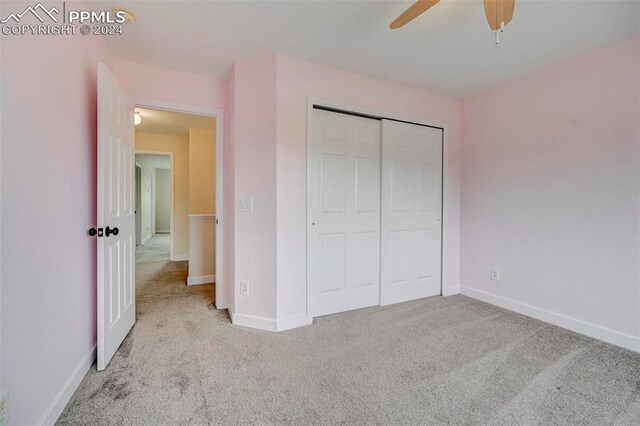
<point>292,322</point>
<point>50,416</point>
<point>268,324</point>
<point>219,116</point>
<point>146,239</point>
<point>450,290</point>
<point>251,321</point>
<point>445,289</point>
<point>179,258</point>
<point>582,327</point>
<point>201,216</point>
<point>204,279</point>
<point>172,198</point>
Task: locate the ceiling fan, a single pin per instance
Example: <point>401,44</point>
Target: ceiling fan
<point>498,12</point>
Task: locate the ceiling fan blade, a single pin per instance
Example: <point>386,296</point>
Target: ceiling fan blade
<point>498,11</point>
<point>412,13</point>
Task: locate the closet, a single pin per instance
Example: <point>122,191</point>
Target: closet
<point>374,231</point>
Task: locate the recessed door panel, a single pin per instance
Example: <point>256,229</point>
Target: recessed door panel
<point>333,185</point>
<point>367,185</point>
<point>367,247</point>
<point>333,262</point>
<point>399,182</point>
<point>399,257</point>
<point>427,245</point>
<point>113,273</point>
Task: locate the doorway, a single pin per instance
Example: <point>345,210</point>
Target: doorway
<point>154,206</point>
<point>177,152</point>
<point>116,208</point>
<point>138,204</point>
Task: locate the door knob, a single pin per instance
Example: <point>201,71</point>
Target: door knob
<point>108,231</point>
<point>93,232</point>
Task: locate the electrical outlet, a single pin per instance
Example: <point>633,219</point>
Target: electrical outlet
<point>244,288</point>
<point>4,414</point>
<point>495,274</point>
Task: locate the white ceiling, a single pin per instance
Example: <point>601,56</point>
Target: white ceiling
<point>449,50</point>
<point>171,123</point>
<point>155,161</point>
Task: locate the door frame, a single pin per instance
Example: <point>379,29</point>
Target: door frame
<point>172,198</point>
<point>377,113</point>
<point>218,114</point>
<point>138,188</point>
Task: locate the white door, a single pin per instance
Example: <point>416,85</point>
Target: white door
<point>116,249</point>
<point>411,211</point>
<point>344,213</point>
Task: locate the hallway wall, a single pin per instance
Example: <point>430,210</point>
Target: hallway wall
<point>202,171</point>
<point>163,200</point>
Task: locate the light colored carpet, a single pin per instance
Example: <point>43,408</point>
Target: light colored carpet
<point>154,250</point>
<point>434,361</point>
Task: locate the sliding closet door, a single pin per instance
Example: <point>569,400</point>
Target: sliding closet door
<point>411,211</point>
<point>344,213</point>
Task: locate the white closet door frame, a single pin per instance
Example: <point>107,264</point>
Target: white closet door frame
<point>357,109</point>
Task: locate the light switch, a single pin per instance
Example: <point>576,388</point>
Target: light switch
<point>246,204</point>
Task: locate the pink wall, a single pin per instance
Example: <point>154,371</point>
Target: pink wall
<point>297,81</point>
<point>48,203</point>
<point>149,82</point>
<point>550,189</point>
<point>255,176</point>
<point>48,261</point>
<point>270,121</point>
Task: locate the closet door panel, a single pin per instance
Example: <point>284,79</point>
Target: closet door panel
<point>343,233</point>
<point>411,231</point>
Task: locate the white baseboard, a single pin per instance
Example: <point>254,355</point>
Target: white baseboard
<point>180,258</point>
<point>146,239</point>
<point>582,327</point>
<point>292,322</point>
<point>61,400</point>
<point>268,324</point>
<point>204,279</point>
<point>222,305</point>
<point>450,290</point>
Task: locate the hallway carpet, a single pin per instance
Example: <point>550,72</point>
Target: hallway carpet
<point>434,361</point>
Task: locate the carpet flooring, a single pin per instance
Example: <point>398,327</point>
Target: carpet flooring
<point>452,361</point>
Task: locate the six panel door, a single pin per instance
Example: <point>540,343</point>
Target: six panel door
<point>344,216</point>
<point>411,248</point>
<point>116,209</point>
